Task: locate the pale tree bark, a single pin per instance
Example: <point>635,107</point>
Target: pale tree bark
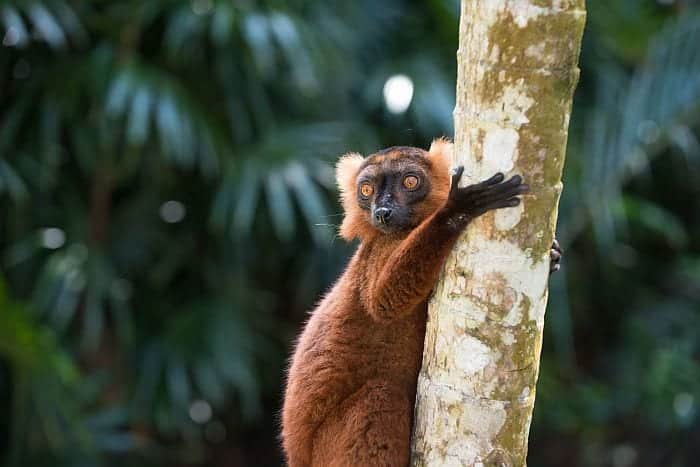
<point>517,69</point>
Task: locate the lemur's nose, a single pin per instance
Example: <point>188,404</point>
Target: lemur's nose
<point>382,215</point>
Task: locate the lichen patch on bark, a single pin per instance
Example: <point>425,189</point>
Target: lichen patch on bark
<point>504,143</point>
<point>480,355</point>
<point>506,219</point>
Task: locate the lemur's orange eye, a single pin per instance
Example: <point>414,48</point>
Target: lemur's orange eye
<point>366,190</point>
<point>410,182</point>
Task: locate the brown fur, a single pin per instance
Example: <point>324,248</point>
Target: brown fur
<point>352,382</point>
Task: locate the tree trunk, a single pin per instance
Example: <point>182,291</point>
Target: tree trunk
<point>517,70</point>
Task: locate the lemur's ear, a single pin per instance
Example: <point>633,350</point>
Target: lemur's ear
<point>441,155</point>
<point>346,172</point>
<point>441,148</point>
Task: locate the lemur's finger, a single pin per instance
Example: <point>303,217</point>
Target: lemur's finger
<point>504,203</point>
<point>515,180</point>
<point>483,208</point>
<point>482,186</point>
<point>457,173</point>
<point>498,178</point>
<point>555,255</point>
<point>502,191</point>
<point>505,190</point>
<point>556,246</point>
<point>490,198</point>
<point>456,176</point>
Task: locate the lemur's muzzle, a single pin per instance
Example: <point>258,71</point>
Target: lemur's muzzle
<point>382,215</point>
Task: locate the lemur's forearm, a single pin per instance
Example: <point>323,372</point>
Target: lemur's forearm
<point>409,275</point>
<point>412,270</point>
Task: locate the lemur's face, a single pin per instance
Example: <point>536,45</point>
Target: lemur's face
<point>390,187</point>
<point>392,190</point>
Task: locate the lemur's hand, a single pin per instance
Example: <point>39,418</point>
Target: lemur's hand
<point>555,254</point>
<point>464,204</point>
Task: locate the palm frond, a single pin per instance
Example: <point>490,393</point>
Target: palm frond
<point>154,106</point>
<point>205,351</point>
<point>73,279</point>
<point>53,21</point>
<point>285,185</point>
<point>49,393</point>
<point>11,182</point>
<point>634,120</point>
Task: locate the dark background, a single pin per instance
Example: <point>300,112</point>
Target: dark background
<point>168,213</point>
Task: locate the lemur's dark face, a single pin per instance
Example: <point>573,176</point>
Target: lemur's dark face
<point>391,186</point>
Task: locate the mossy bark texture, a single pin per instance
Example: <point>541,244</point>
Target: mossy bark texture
<point>517,70</point>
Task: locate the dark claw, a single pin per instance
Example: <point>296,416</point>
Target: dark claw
<point>555,255</point>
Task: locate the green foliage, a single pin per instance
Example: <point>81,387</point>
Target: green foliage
<point>622,363</point>
<point>168,200</point>
<point>168,213</point>
<point>50,408</point>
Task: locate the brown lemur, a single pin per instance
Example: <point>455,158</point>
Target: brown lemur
<point>352,381</point>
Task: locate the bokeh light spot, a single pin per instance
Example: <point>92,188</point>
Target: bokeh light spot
<point>200,411</point>
<point>398,93</point>
<point>172,211</point>
<point>53,238</point>
<point>683,404</point>
<point>624,455</point>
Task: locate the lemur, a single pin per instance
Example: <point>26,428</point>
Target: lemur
<point>351,385</point>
